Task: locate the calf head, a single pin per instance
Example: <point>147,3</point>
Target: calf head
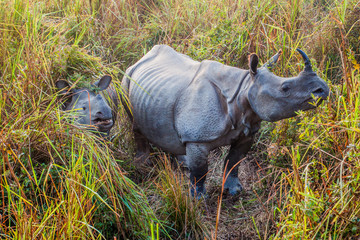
<point>91,108</point>
<point>274,98</point>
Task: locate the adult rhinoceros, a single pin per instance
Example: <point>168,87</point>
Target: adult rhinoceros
<point>188,108</point>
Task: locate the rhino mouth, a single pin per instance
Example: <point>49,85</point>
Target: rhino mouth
<point>311,102</point>
<point>103,123</point>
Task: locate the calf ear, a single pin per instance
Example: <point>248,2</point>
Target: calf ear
<point>104,82</point>
<point>62,86</point>
<point>253,62</point>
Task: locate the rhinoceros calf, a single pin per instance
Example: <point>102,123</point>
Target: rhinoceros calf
<point>93,110</point>
<point>188,108</point>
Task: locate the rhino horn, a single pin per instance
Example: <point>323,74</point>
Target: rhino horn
<point>273,60</point>
<point>308,67</point>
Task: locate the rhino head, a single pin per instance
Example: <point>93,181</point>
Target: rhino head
<point>274,98</point>
<point>91,108</point>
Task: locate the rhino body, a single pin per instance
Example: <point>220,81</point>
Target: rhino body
<point>94,108</point>
<point>189,108</point>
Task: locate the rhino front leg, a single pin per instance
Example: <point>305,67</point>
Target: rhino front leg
<point>237,152</point>
<point>196,161</point>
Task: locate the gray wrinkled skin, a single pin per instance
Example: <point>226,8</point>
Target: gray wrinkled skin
<point>188,108</point>
<point>92,110</point>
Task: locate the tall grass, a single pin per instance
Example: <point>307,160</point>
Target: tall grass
<point>182,213</point>
<point>58,181</point>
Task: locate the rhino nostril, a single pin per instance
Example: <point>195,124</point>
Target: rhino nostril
<point>99,115</point>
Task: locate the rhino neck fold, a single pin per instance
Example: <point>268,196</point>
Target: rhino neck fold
<point>233,85</point>
<point>248,120</point>
<point>242,86</point>
<point>241,114</point>
<point>230,80</point>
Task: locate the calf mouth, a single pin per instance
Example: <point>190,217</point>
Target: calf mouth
<point>103,124</point>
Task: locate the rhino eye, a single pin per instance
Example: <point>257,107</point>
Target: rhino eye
<point>84,108</point>
<point>285,87</point>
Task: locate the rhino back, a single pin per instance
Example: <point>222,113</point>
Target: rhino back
<point>160,78</point>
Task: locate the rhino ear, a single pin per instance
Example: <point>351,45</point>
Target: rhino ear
<point>62,86</point>
<point>253,62</point>
<point>104,82</point>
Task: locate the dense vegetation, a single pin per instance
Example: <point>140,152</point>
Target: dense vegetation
<point>58,181</point>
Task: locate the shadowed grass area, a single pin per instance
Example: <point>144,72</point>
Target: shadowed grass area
<point>58,181</point>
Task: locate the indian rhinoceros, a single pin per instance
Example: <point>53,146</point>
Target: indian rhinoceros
<point>188,108</point>
<point>93,109</point>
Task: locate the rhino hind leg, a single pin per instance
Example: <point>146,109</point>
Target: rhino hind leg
<point>237,152</point>
<point>142,149</point>
<point>196,161</point>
